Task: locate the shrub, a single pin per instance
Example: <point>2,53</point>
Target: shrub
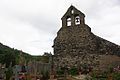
<point>73,71</point>
<point>116,76</point>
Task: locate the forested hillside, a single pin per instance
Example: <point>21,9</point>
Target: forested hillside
<point>11,56</point>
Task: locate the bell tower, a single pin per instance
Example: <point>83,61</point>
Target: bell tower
<point>72,17</point>
<point>73,38</point>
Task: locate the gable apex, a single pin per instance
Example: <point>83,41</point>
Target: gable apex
<point>72,10</point>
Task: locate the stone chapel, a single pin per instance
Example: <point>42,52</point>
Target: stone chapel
<point>75,44</point>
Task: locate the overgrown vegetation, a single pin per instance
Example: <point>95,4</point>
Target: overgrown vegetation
<point>109,74</point>
<point>11,57</point>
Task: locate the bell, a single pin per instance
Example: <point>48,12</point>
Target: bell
<point>77,20</point>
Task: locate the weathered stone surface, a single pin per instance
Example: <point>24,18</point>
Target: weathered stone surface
<point>76,44</point>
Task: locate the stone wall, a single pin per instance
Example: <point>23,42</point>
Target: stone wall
<point>37,67</point>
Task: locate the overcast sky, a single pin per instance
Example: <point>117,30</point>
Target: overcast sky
<point>31,25</point>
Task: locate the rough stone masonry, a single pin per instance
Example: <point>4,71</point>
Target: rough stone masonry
<point>75,44</point>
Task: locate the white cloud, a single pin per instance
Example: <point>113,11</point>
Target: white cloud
<point>31,25</point>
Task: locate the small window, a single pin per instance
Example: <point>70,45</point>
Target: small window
<point>72,11</point>
<point>68,21</point>
<point>77,20</point>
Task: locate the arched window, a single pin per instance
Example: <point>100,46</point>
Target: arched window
<point>77,20</point>
<point>68,21</point>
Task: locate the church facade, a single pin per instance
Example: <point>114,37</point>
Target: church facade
<point>76,45</point>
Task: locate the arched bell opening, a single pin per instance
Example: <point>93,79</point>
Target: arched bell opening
<point>77,20</point>
<point>68,21</point>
